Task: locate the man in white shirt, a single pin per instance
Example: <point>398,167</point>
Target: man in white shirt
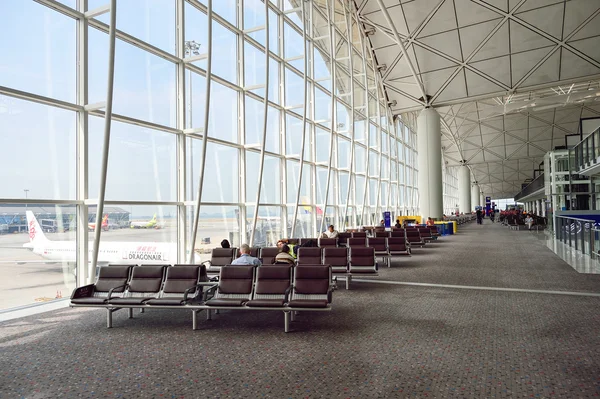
<point>529,221</point>
<point>245,258</point>
<point>330,233</point>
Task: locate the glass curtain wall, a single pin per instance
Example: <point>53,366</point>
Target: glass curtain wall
<point>450,182</point>
<point>273,113</point>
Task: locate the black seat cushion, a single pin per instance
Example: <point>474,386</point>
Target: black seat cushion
<point>226,302</point>
<point>89,301</point>
<point>128,301</point>
<point>166,301</point>
<point>265,303</point>
<point>308,303</point>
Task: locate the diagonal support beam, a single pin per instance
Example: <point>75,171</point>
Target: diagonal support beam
<point>398,40</point>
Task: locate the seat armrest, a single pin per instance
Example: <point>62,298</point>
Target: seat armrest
<point>207,263</point>
<point>112,289</point>
<point>83,292</point>
<point>187,292</point>
<point>208,291</point>
<point>287,293</point>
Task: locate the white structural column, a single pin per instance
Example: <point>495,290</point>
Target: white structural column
<point>475,196</point>
<point>482,199</point>
<point>464,189</point>
<point>429,146</point>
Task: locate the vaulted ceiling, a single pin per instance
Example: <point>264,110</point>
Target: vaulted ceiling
<point>510,78</point>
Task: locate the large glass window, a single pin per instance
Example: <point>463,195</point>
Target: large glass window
<point>159,125</point>
<point>38,50</point>
<point>41,163</point>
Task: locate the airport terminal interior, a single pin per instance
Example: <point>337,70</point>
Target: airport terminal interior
<point>428,170</point>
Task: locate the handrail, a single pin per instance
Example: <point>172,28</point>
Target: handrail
<point>578,233</point>
<point>587,150</point>
<point>572,218</point>
<point>535,185</point>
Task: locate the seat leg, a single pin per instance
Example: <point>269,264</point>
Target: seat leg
<point>194,319</point>
<point>130,311</point>
<point>286,321</point>
<point>208,314</point>
<point>348,281</point>
<point>293,316</point>
<point>142,310</point>
<point>108,318</point>
<point>216,311</point>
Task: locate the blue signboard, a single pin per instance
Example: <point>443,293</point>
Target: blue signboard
<point>387,219</point>
<point>488,204</point>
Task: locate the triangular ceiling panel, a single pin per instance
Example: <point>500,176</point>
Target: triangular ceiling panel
<point>432,81</point>
<point>492,156</point>
<point>496,123</point>
<point>512,4</point>
<point>589,29</point>
<point>522,63</point>
<point>521,78</point>
<point>575,66</point>
<point>545,116</point>
<point>455,89</point>
<point>470,13</point>
<point>406,85</point>
<point>536,152</point>
<point>531,4</point>
<point>502,5</point>
<point>447,42</point>
<point>497,68</point>
<point>511,148</point>
<point>547,72</point>
<point>539,133</point>
<point>429,61</point>
<point>577,11</point>
<point>397,15</point>
<point>497,46</point>
<point>545,144</point>
<point>415,12</point>
<point>548,19</point>
<point>443,20</point>
<point>489,139</point>
<point>589,47</point>
<point>479,85</point>
<point>508,139</point>
<point>525,39</point>
<point>472,36</point>
<point>400,70</point>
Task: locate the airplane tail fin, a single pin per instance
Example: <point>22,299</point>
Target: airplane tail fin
<point>105,220</point>
<point>36,234</point>
<point>154,218</point>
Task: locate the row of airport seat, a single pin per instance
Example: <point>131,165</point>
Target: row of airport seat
<point>283,288</point>
<point>345,262</point>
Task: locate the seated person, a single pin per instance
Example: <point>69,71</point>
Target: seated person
<point>245,258</point>
<point>330,233</point>
<point>382,223</point>
<point>284,241</point>
<point>430,222</point>
<point>529,221</point>
<point>284,256</point>
<point>225,244</point>
<point>398,225</point>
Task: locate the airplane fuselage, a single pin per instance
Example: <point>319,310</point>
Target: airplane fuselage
<point>111,252</point>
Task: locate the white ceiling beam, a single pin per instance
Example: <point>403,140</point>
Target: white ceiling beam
<point>541,32</point>
<point>402,48</point>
